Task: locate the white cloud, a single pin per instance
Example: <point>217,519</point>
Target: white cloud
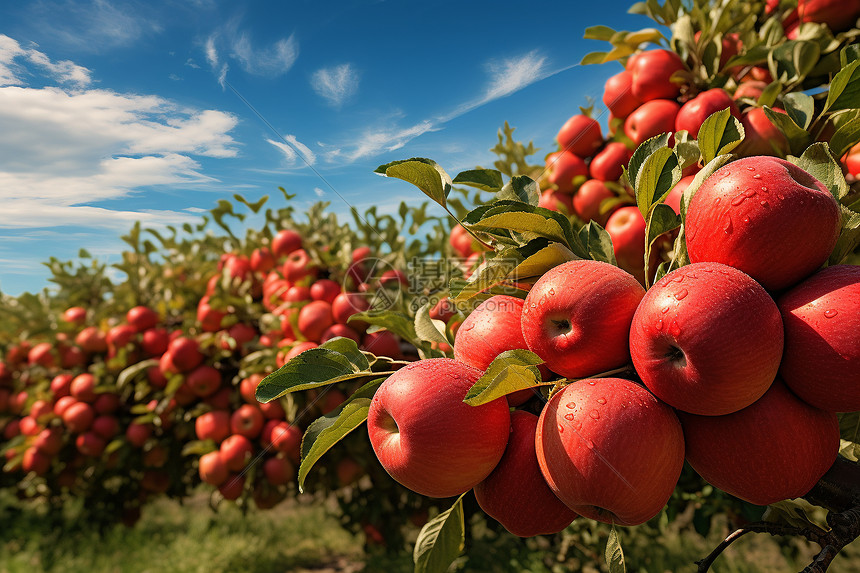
<point>273,60</point>
<point>290,148</point>
<point>12,68</point>
<point>319,192</point>
<point>211,51</point>
<point>335,84</point>
<point>511,75</point>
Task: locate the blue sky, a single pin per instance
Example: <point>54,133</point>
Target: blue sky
<point>112,112</point>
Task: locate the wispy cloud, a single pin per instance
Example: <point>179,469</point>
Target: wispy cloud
<point>335,84</point>
<point>271,60</point>
<point>14,59</point>
<point>289,150</point>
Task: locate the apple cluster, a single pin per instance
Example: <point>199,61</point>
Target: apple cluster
<point>737,363</point>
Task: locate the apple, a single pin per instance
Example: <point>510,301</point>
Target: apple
<point>212,468</point>
<point>610,450</point>
<point>214,425</point>
<point>262,260</point>
<point>90,444</point>
<point>515,494</point>
<point>563,168</point>
<point>236,451</point>
<point>752,90</point>
<point>651,118</point>
<point>693,113</point>
<point>49,441</point>
<point>78,417</point>
<point>247,421</point>
<point>185,353</point>
<point>298,266</point>
<point>555,201</point>
<point>838,15</point>
<point>580,135</point>
<point>141,318</point>
<point>298,293</point>
<point>63,404</point>
<point>106,426</point>
<point>325,289</point>
<point>651,72</point>
<point>418,421</point>
<point>155,481</point>
<point>821,362</point>
<point>766,217</point>
<point>92,340</point>
<point>154,341</point>
<point>693,343</point>
<point>577,317</point>
<point>248,388</point>
<point>203,380</point>
<point>343,330</point>
<point>673,199</point>
<point>209,317</point>
<point>774,449</point>
<point>83,387</point>
<point>232,487</point>
<point>278,471</point>
<point>41,408</point>
<point>36,461</point>
<point>120,336</point>
<point>286,242</point>
<point>42,355</point>
<point>761,137</point>
<point>314,318</point>
<point>461,241</point>
<point>588,199</point>
<point>348,471</point>
<point>382,343</point>
<point>348,303</point>
<point>618,95</point>
<point>282,436</point>
<point>76,315</point>
<point>272,410</point>
<point>607,165</point>
<point>298,348</point>
<point>626,227</point>
<point>138,434</point>
<point>29,426</point>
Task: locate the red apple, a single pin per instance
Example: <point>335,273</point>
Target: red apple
<point>651,118</point>
<point>618,95</point>
<point>693,113</point>
<point>92,340</point>
<point>138,434</point>
<point>49,441</point>
<point>298,293</point>
<point>492,328</point>
<point>515,493</point>
<point>343,330</point>
<point>577,317</point>
<point>651,72</point>
<point>420,442</point>
<point>626,227</point>
<point>63,404</point>
<point>555,201</point>
<point>298,266</point>
<point>563,168</point>
<point>248,388</point>
<point>278,471</point>
<point>212,469</point>
<point>607,165</point>
<point>580,135</point>
<point>775,449</point>
<point>262,260</point>
<point>286,242</point>
<point>36,461</point>
<point>210,318</point>
<point>282,436</point>
<point>461,241</point>
<point>105,426</point>
<point>821,362</point>
<point>314,318</point>
<point>232,487</point>
<point>382,343</point>
<point>78,417</point>
<point>325,289</point>
<point>83,387</point>
<point>348,303</point>
<point>42,355</point>
<point>588,198</point>
<point>204,380</point>
<point>76,315</point>
<point>752,89</point>
<point>766,217</point>
<point>761,137</point>
<point>247,421</point>
<point>214,425</point>
<point>90,444</point>
<point>694,345</point>
<point>673,199</point>
<point>141,318</point>
<point>610,450</point>
<point>185,353</point>
<point>154,341</point>
<point>838,15</point>
<point>236,451</point>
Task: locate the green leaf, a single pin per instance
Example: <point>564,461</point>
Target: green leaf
<point>593,58</point>
<point>396,322</point>
<point>844,89</point>
<point>819,163</point>
<point>597,242</point>
<point>509,372</point>
<point>325,432</point>
<point>798,138</point>
<point>645,149</point>
<point>661,220</point>
<point>603,33</point>
<point>531,225</point>
<point>483,179</point>
<point>847,135</point>
<point>720,133</point>
<point>348,348</point>
<point>849,239</point>
<point>425,174</point>
<point>521,188</point>
<point>800,107</point>
<point>133,371</point>
<point>428,329</point>
<point>441,540</point>
<point>688,153</point>
<point>655,178</point>
<point>751,57</point>
<point>700,178</point>
<point>537,263</point>
<point>769,94</point>
<point>848,54</point>
<point>614,555</point>
<point>310,369</point>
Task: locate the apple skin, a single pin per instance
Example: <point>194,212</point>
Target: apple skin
<point>346,304</point>
<point>278,471</point>
<point>492,328</point>
<point>138,434</point>
<point>555,201</point>
<point>589,196</point>
<point>775,449</point>
<point>577,317</point>
<point>650,119</point>
<point>618,95</point>
<point>761,137</point>
<point>650,72</point>
<point>563,168</point>
<point>839,15</point>
<point>461,241</point>
<point>314,318</point>
<point>236,451</point>
<point>298,266</point>
<point>76,315</point>
<point>382,343</point>
<point>610,450</point>
<point>325,289</point>
<point>751,89</point>
<point>78,417</point>
<point>214,425</point>
<point>580,135</point>
<point>212,469</point>
<point>92,340</point>
<point>607,165</point>
<point>821,362</point>
<point>247,421</point>
<point>185,353</point>
<point>204,380</point>
<point>626,227</point>
<point>262,260</point>
<point>418,421</point>
<point>515,493</point>
<point>141,318</point>
<point>673,199</point>
<point>695,346</point>
<point>697,110</point>
<point>286,242</point>
<point>766,217</point>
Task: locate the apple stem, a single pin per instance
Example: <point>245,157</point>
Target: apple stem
<point>468,230</point>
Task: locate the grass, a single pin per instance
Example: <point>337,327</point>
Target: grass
<point>305,537</point>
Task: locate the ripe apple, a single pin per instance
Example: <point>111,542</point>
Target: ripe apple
<point>694,345</point>
<point>212,469</point>
<point>236,451</point>
<point>752,90</point>
<point>248,388</point>
<point>247,421</point>
<point>607,165</point>
<point>272,410</point>
<point>298,266</point>
<point>626,227</point>
<point>138,434</point>
<point>343,330</point>
<point>775,449</point>
<point>262,260</point>
<point>348,303</point>
<point>555,201</point>
<point>610,450</point>
<point>78,417</point>
<point>40,409</point>
<point>298,293</point>
<point>580,135</point>
<point>697,110</point>
<point>492,328</point>
<point>286,242</point>
<point>563,168</point>
<point>461,241</point>
<point>42,355</point>
<point>766,217</point>
<point>651,72</point>
<point>651,118</point>
<point>839,15</point>
<point>36,461</point>
<point>76,315</point>
<point>49,440</point>
<point>325,289</point>
<point>577,317</point>
<point>214,425</point>
<point>90,444</point>
<point>821,362</point>
<point>120,336</point>
<point>232,487</point>
<point>382,343</point>
<point>141,318</point>
<point>278,471</point>
<point>83,387</point>
<point>92,340</point>
<point>515,494</point>
<point>283,436</point>
<point>106,403</point>
<point>185,353</point>
<point>105,426</point>
<point>673,199</point>
<point>209,317</point>
<point>420,442</point>
<point>761,137</point>
<point>348,471</point>
<point>314,318</point>
<point>203,380</point>
<point>588,198</point>
<point>154,341</point>
<point>63,404</point>
<point>618,95</point>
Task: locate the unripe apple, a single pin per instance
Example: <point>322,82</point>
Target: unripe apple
<point>214,425</point>
<point>766,217</point>
<point>761,137</point>
<point>610,450</point>
<point>693,113</point>
<point>427,438</point>
<point>821,362</point>
<point>515,494</point>
<point>236,451</point>
<point>651,118</point>
<point>247,421</point>
<point>775,449</point>
<point>563,168</point>
<point>577,317</point>
<point>607,165</point>
<point>618,95</point>
<point>651,72</point>
<point>580,135</point>
<point>694,345</point>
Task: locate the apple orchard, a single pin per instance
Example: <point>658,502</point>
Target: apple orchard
<point>660,318</point>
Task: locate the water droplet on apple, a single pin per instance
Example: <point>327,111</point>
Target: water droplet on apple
<point>560,429</point>
<point>749,193</point>
<point>589,444</point>
<point>746,219</point>
<point>591,382</point>
<point>675,330</point>
<point>764,190</point>
<point>728,228</point>
<point>750,168</point>
<point>757,176</point>
<point>717,201</point>
<point>552,292</point>
<point>779,196</point>
<point>665,309</point>
<point>765,204</point>
<point>738,200</point>
<point>681,294</point>
<point>594,414</point>
<point>601,400</point>
<point>569,416</point>
<point>571,405</point>
<point>831,313</point>
<point>659,324</point>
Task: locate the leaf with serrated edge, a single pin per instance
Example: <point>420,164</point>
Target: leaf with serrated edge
<point>540,262</point>
<point>800,107</point>
<point>509,372</point>
<point>349,348</point>
<point>441,540</point>
<point>659,173</point>
<point>645,149</point>
<point>396,322</point>
<point>719,134</point>
<point>521,188</point>
<point>428,329</point>
<point>844,90</point>
<point>598,242</point>
<point>614,555</point>
<point>818,162</point>
<point>424,173</point>
<point>529,224</point>
<point>849,238</point>
<point>483,179</point>
<point>310,369</point>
